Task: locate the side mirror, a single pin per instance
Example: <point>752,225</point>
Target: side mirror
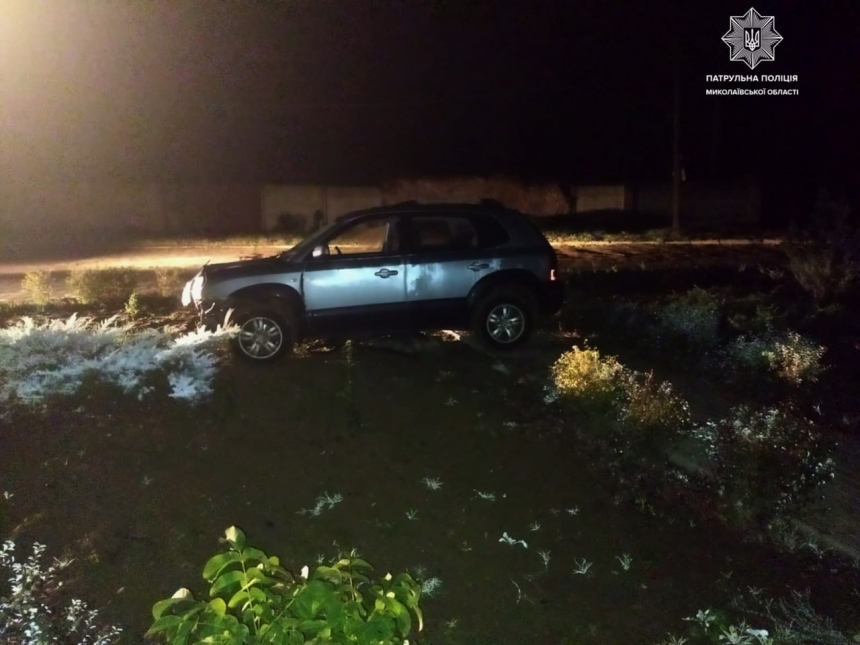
<point>320,250</point>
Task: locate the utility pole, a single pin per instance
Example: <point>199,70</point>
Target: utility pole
<point>676,138</point>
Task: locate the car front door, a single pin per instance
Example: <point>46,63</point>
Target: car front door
<point>443,263</point>
<point>357,283</point>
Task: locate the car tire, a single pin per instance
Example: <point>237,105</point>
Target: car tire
<point>505,317</point>
<point>265,333</point>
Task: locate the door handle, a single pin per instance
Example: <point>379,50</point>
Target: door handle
<point>478,266</point>
<point>385,273</point>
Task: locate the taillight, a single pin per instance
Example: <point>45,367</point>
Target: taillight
<point>553,267</point>
<point>552,276</point>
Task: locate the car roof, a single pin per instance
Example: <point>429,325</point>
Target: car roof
<point>486,207</point>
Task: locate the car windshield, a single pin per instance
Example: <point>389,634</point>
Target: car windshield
<point>307,243</point>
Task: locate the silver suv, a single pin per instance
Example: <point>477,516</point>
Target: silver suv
<point>389,269</point>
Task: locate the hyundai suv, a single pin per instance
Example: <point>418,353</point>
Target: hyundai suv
<point>389,269</point>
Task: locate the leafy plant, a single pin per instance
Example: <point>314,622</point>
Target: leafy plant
<point>93,285</point>
<point>37,286</point>
<point>32,611</point>
<point>253,599</point>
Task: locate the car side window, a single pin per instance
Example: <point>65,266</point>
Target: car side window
<point>438,233</point>
<point>372,236</point>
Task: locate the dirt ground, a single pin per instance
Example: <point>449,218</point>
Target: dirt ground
<point>139,492</point>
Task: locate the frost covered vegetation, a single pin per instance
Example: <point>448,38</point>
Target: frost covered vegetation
<point>787,356</point>
<point>58,357</point>
<point>32,609</point>
<point>700,327</point>
<point>759,463</point>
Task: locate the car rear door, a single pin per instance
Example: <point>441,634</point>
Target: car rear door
<point>443,262</point>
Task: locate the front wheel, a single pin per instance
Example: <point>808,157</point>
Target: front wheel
<point>263,335</point>
<point>505,318</point>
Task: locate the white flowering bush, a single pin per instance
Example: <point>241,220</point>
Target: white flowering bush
<point>31,610</point>
<point>58,356</point>
<point>789,621</point>
<point>691,320</point>
<point>788,357</point>
<point>765,463</point>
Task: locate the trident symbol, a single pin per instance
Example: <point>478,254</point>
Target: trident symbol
<point>752,39</point>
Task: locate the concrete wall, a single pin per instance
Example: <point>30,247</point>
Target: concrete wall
<point>598,198</point>
<point>303,201</point>
<point>344,199</point>
<point>531,199</point>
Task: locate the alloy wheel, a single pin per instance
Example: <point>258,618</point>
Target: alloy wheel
<point>260,337</point>
<point>506,323</point>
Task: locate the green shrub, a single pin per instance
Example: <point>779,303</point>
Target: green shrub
<point>132,306</point>
<point>253,599</point>
<point>787,357</point>
<point>818,270</point>
<point>650,405</point>
<point>168,281</point>
<point>762,318</point>
<point>589,381</point>
<point>37,286</point>
<point>650,420</point>
<point>691,318</point>
<point>825,261</point>
<point>765,463</point>
<point>93,285</point>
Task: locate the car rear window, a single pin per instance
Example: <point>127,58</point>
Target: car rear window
<point>490,232</point>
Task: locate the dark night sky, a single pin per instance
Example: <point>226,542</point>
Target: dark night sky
<point>354,90</point>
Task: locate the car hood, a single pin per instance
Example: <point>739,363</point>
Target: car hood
<point>242,268</point>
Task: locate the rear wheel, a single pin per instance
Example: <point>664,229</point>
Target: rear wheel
<point>506,317</point>
<point>265,333</point>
